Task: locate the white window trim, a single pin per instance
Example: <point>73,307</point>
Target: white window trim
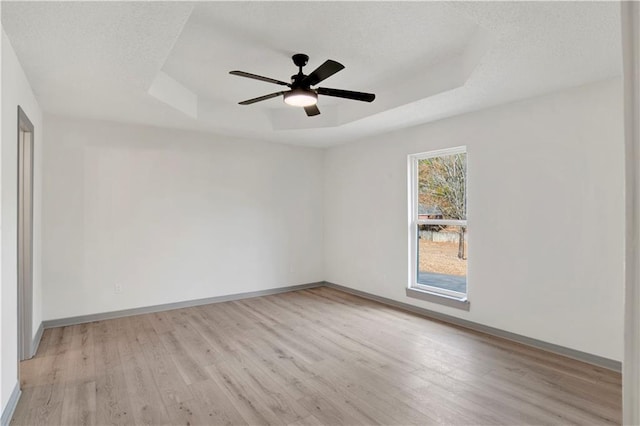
<point>441,291</point>
<point>414,289</point>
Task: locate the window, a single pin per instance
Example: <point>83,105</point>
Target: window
<point>438,227</point>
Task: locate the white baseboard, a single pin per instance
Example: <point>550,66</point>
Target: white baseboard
<point>63,322</point>
<point>550,347</point>
<point>599,361</point>
<point>35,343</point>
<point>8,411</point>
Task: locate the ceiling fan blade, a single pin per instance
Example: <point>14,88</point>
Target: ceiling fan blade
<point>312,110</point>
<point>258,77</point>
<point>261,98</point>
<point>347,94</point>
<point>324,71</point>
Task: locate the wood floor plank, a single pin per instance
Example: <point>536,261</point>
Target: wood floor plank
<point>308,421</point>
<point>263,360</point>
<point>160,322</point>
<point>173,390</point>
<point>366,412</point>
<point>79,404</point>
<point>187,366</point>
<point>217,406</point>
<point>112,401</point>
<point>310,357</point>
<point>188,413</point>
<point>252,409</point>
<point>45,404</point>
<point>259,387</point>
<point>147,406</point>
<point>366,386</point>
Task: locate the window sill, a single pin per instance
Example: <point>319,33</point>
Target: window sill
<point>441,299</point>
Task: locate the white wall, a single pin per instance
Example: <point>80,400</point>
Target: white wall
<point>172,215</point>
<point>3,403</point>
<point>16,91</point>
<point>545,215</point>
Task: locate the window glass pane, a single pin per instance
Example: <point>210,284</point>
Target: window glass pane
<point>442,257</point>
<point>442,187</point>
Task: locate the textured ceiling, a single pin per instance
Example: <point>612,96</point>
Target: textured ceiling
<point>167,63</point>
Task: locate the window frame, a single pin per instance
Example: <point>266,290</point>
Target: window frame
<point>415,289</point>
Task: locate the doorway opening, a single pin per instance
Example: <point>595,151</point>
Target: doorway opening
<point>25,236</point>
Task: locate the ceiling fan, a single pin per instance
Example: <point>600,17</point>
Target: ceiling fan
<point>301,93</point>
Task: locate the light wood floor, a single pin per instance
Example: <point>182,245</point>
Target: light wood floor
<point>315,356</point>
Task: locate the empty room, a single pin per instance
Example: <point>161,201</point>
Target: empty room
<point>319,213</point>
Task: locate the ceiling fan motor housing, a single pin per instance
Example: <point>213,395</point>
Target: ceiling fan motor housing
<point>300,59</point>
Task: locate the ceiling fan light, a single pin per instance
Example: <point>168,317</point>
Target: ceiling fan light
<point>300,98</point>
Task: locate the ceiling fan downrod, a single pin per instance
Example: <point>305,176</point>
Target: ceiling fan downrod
<point>300,60</point>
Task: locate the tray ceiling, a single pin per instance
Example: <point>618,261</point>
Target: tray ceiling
<point>167,63</point>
